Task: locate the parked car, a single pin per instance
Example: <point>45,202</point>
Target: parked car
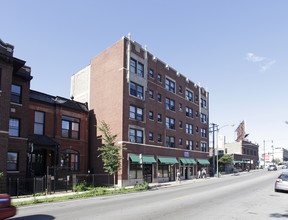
<point>6,209</point>
<point>285,166</point>
<point>272,167</point>
<point>281,183</point>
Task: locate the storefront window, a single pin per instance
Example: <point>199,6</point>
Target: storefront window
<point>135,171</point>
<point>163,171</point>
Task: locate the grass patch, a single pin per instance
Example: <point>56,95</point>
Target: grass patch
<point>99,191</point>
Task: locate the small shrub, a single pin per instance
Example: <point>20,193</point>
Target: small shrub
<point>145,185</point>
<point>81,187</point>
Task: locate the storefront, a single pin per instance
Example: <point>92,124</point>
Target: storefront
<point>141,168</point>
<point>203,164</point>
<point>187,168</point>
<point>167,169</point>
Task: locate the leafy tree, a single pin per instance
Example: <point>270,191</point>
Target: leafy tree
<point>110,151</point>
<point>276,161</point>
<point>226,159</point>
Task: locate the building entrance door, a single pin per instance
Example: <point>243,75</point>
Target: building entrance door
<point>38,162</point>
<point>186,173</point>
<point>171,172</point>
<point>147,173</point>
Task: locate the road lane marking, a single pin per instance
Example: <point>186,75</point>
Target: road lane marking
<point>181,197</point>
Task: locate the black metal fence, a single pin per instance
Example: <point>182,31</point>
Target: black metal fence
<point>54,182</point>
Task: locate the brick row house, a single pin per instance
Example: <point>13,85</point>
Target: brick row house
<point>160,116</point>
<point>37,130</point>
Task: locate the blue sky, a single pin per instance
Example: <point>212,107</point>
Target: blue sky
<point>235,49</point>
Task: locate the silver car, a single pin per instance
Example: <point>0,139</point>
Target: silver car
<point>272,167</point>
<point>281,183</point>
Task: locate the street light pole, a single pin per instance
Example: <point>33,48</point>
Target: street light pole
<point>218,144</point>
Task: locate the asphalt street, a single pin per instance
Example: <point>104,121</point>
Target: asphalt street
<point>249,196</point>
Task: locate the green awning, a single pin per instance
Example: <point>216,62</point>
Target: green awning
<point>238,161</point>
<point>149,160</point>
<point>146,159</point>
<point>134,158</point>
<point>184,161</point>
<point>187,161</point>
<point>193,161</point>
<point>203,161</point>
<point>168,160</point>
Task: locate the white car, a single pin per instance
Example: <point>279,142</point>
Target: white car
<point>281,183</point>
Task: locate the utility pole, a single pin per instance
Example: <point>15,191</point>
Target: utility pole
<point>264,154</point>
<point>213,149</point>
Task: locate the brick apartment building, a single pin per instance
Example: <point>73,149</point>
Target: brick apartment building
<point>14,104</point>
<point>58,134</point>
<point>159,115</point>
<point>37,130</point>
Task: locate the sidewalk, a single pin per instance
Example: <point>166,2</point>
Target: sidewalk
<point>153,186</point>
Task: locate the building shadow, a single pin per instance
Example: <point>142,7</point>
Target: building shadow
<point>34,217</point>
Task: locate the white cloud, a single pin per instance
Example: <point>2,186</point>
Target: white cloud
<point>265,63</point>
<point>251,57</point>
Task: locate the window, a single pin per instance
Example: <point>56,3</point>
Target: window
<point>133,65</point>
<point>180,124</point>
<point>16,94</point>
<point>159,77</point>
<point>151,115</point>
<point>196,113</point>
<point>189,144</point>
<point>136,90</point>
<point>70,159</point>
<point>136,113</point>
<point>135,136</point>
<point>135,171</point>
<point>204,147</point>
<point>197,144</point>
<point>170,85</point>
<point>180,89</point>
<point>197,129</point>
<point>39,118</point>
<point>180,107</point>
<point>170,104</point>
<point>140,69</point>
<point>170,123</point>
<point>70,127</point>
<point>159,118</point>
<point>189,95</point>
<point>189,112</point>
<point>203,103</point>
<point>12,161</point>
<point>151,94</point>
<point>170,141</point>
<point>151,73</point>
<point>189,129</point>
<point>14,127</point>
<point>136,66</point>
<point>151,136</point>
<point>203,132</point>
<point>196,98</point>
<point>159,97</point>
<point>159,138</point>
<point>162,171</point>
<point>203,118</point>
<point>180,141</point>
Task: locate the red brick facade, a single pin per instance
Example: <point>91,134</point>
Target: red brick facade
<point>19,145</point>
<point>110,100</point>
